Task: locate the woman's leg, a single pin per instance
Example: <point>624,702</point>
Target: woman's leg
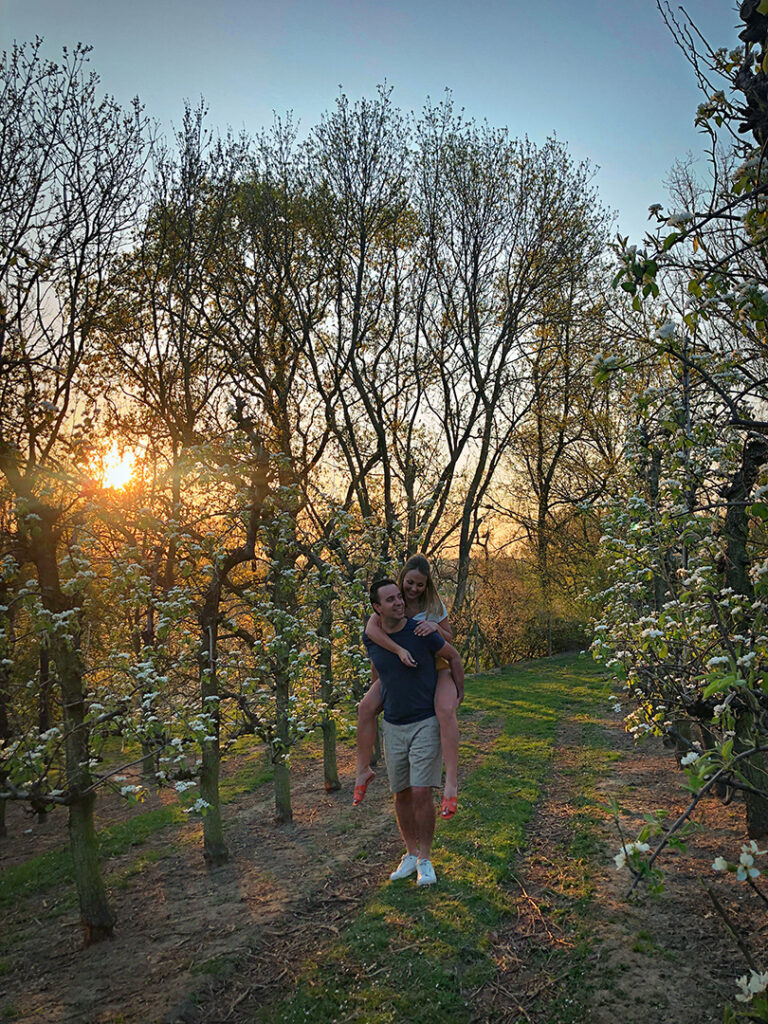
<point>367,711</point>
<point>446,703</point>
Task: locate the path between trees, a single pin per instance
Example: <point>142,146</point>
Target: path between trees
<point>527,924</point>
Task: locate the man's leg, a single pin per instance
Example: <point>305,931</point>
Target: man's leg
<point>406,820</point>
<point>424,816</point>
<point>415,812</point>
<point>425,771</point>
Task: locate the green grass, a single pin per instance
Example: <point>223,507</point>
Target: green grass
<point>255,770</point>
<point>54,869</point>
<point>410,948</point>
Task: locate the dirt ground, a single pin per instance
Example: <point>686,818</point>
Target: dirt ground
<point>653,959</point>
<point>199,945</point>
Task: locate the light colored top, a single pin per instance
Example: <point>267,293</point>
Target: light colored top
<point>423,617</point>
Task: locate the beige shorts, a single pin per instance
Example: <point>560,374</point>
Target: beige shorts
<point>413,754</point>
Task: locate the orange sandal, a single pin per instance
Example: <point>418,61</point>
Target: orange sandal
<point>357,796</point>
<point>449,807</point>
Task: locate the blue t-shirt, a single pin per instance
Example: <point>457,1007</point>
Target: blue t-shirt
<point>408,693</point>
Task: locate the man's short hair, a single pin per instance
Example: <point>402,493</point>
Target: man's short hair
<point>375,587</point>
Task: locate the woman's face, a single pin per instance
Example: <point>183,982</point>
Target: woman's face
<point>414,585</point>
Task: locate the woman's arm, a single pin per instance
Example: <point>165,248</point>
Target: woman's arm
<point>377,634</point>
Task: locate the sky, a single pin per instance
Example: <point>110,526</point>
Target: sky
<point>605,77</point>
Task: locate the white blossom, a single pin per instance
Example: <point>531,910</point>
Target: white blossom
<point>751,986</point>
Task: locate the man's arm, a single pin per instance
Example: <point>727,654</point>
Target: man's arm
<point>453,658</point>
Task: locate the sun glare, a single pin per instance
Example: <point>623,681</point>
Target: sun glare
<point>117,468</point>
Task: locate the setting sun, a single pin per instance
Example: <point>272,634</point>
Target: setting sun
<point>116,468</point>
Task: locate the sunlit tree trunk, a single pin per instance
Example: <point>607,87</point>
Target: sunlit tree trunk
<point>97,917</point>
<point>330,767</point>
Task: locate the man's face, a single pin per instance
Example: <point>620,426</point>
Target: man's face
<point>391,604</point>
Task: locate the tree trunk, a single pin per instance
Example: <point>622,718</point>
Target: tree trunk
<point>44,696</point>
<point>96,914</point>
<point>737,563</point>
<point>149,745</point>
<point>330,767</point>
<point>97,917</point>
<point>44,703</point>
<point>282,782</point>
<point>5,689</point>
<point>752,770</point>
<point>325,626</point>
<point>736,526</point>
<point>659,581</point>
<point>214,848</point>
<point>5,735</point>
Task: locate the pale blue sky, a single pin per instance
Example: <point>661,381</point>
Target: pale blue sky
<point>604,76</point>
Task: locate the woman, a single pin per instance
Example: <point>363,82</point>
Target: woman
<point>423,604</point>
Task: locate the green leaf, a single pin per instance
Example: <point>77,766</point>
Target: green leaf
<point>670,240</point>
<point>715,687</point>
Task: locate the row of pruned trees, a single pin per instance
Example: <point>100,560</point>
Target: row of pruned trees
<point>323,354</point>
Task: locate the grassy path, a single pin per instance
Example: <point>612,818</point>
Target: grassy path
<point>411,955</point>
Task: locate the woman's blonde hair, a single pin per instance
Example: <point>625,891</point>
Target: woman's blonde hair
<point>430,600</point>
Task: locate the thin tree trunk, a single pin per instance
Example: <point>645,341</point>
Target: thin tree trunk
<point>214,848</point>
<point>282,781</point>
<point>44,695</point>
<point>149,746</point>
<point>325,626</point>
<point>330,766</point>
<point>5,689</point>
<point>5,734</point>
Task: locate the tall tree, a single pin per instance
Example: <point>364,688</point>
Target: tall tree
<point>71,166</point>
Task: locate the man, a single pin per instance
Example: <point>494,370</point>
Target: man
<point>410,728</point>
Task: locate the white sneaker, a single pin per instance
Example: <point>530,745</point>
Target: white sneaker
<point>425,873</point>
<point>406,867</point>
